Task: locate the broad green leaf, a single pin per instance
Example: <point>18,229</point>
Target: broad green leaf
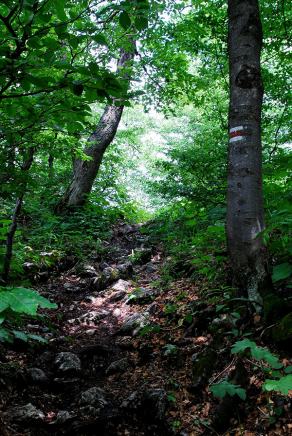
<point>125,20</point>
<point>20,335</point>
<point>282,271</point>
<point>141,23</point>
<point>284,385</point>
<point>221,389</point>
<point>22,300</point>
<point>5,336</point>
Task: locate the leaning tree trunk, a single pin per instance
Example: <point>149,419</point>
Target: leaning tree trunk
<point>245,213</point>
<point>25,167</point>
<point>85,172</point>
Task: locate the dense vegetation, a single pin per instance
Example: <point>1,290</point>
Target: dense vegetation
<point>117,112</point>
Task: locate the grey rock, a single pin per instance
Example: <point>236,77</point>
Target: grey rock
<point>133,401</point>
<point>94,396</point>
<point>134,323</point>
<point>141,296</point>
<point>121,285</point>
<point>120,365</point>
<point>27,413</point>
<point>67,362</point>
<point>150,267</point>
<point>117,296</point>
<point>156,402</point>
<point>63,416</point>
<point>125,269</point>
<point>37,375</point>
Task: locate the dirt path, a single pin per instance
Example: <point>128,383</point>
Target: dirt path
<point>122,356</point>
<point>97,375</point>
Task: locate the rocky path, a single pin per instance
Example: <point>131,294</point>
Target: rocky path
<point>97,375</point>
<point>127,356</point>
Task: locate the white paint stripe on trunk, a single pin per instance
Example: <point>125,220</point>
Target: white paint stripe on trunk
<point>236,138</point>
<point>235,129</point>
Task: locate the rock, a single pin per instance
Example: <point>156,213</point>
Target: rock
<point>153,309</point>
<point>67,362</point>
<point>133,401</point>
<point>27,413</point>
<point>134,323</point>
<point>150,267</point>
<point>125,269</point>
<point>117,296</point>
<point>37,375</point>
<point>155,402</point>
<point>117,312</point>
<point>141,296</point>
<point>63,416</point>
<point>121,285</point>
<point>120,365</point>
<point>97,283</point>
<point>94,396</point>
<point>86,271</point>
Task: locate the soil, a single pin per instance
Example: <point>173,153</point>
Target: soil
<point>144,375</point>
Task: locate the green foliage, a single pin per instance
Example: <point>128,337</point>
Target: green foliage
<point>258,353</point>
<point>283,385</point>
<point>226,388</point>
<point>282,271</point>
<point>16,304</point>
<point>22,300</point>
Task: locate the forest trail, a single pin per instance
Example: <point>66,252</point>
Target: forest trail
<point>123,357</point>
<point>105,370</point>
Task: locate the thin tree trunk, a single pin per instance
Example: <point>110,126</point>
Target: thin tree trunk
<point>245,212</point>
<point>13,226</point>
<point>85,172</point>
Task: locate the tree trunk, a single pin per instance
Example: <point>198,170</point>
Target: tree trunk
<point>13,226</point>
<point>245,213</point>
<point>85,172</point>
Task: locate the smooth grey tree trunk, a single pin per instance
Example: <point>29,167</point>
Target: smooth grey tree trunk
<point>85,172</point>
<point>245,212</point>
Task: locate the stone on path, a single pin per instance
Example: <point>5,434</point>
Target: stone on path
<point>26,413</point>
<point>67,362</point>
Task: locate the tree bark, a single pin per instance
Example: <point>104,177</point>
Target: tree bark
<point>13,226</point>
<point>85,172</point>
<point>245,212</point>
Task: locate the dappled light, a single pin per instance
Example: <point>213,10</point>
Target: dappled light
<point>145,226</point>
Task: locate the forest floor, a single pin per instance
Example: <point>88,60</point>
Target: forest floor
<point>122,358</point>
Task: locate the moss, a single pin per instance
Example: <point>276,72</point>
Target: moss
<point>282,332</point>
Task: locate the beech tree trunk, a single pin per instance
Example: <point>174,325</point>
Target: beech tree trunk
<point>245,212</point>
<point>85,172</point>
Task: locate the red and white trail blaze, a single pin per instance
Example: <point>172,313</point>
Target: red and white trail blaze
<point>236,134</point>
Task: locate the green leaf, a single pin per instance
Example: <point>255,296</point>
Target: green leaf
<point>37,338</point>
<point>141,23</point>
<point>282,271</point>
<point>225,388</point>
<point>258,353</point>
<point>20,335</point>
<point>288,369</point>
<point>284,385</point>
<point>22,300</point>
<point>5,336</point>
<point>60,9</point>
<point>100,39</point>
<point>125,20</point>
